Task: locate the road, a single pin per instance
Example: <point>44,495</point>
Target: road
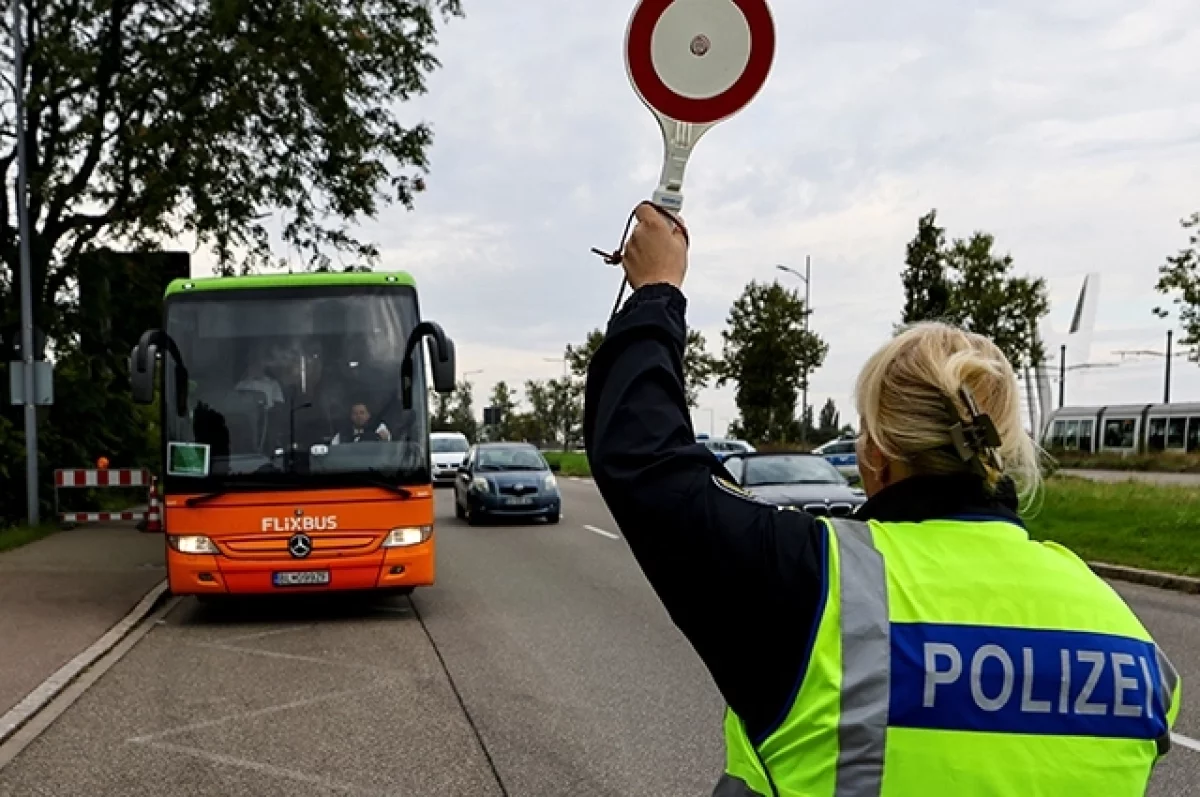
<point>1174,479</point>
<point>540,664</point>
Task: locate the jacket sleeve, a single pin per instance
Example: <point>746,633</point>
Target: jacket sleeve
<point>740,578</point>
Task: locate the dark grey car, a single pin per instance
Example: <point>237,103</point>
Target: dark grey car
<point>510,480</point>
<point>803,481</point>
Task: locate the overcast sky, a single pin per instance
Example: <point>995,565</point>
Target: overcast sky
<point>1070,129</point>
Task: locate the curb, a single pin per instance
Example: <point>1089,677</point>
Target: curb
<point>52,687</point>
<point>1151,578</point>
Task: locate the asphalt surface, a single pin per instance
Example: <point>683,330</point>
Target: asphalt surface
<point>540,664</point>
<point>57,597</point>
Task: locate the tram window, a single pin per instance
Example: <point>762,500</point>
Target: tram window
<point>1118,433</point>
<point>1071,438</point>
<point>1193,435</point>
<point>1156,440</point>
<point>1056,435</point>
<point>1085,435</point>
<point>1175,432</point>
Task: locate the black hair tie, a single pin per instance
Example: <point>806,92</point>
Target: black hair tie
<point>975,439</point>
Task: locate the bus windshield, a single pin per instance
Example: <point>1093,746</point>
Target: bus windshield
<point>294,386</point>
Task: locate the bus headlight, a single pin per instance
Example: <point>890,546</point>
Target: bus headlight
<point>193,543</point>
<point>408,535</point>
<point>481,485</point>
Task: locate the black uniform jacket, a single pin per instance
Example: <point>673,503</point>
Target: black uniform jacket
<point>740,578</point>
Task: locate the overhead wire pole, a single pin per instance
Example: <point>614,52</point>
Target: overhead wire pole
<point>31,441</point>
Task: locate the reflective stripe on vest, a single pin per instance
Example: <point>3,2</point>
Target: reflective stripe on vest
<point>941,686</point>
<point>866,662</point>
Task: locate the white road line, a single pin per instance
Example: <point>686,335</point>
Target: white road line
<point>262,634</point>
<point>241,715</point>
<point>603,533</point>
<point>1185,741</point>
<point>279,773</point>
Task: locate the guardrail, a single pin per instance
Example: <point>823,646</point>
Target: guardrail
<point>150,519</point>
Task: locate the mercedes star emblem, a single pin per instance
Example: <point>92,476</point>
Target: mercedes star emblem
<point>300,545</point>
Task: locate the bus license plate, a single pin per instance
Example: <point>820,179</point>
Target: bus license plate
<point>519,501</point>
<point>302,578</point>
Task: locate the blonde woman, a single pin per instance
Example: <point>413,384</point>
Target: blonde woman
<point>925,647</point>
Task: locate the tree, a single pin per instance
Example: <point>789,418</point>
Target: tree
<point>504,401</point>
<point>1181,275</point>
<point>828,428</point>
<point>968,285</point>
<point>580,357</point>
<point>462,411</point>
<point>441,407</point>
<point>926,290</point>
<point>768,353</point>
<point>149,119</point>
<point>699,367</point>
<point>541,425</point>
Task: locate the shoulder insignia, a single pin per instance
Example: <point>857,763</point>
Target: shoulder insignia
<point>738,492</point>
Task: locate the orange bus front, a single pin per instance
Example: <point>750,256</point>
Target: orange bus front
<point>255,543</point>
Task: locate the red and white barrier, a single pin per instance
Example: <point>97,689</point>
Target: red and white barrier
<point>149,519</point>
<point>82,477</point>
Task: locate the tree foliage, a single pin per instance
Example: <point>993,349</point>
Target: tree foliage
<point>926,291</point>
<point>769,355</point>
<point>462,412</point>
<point>699,367</point>
<point>504,401</point>
<point>149,119</point>
<point>1180,276</point>
<point>967,284</point>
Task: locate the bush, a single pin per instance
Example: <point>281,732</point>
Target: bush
<point>1158,462</point>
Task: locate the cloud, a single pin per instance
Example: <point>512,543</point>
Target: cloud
<point>1071,131</point>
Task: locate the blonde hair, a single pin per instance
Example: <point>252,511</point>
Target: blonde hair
<point>902,396</point>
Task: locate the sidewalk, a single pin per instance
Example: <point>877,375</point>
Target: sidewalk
<point>60,594</point>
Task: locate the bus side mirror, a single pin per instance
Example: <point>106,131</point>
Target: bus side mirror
<point>443,365</point>
<point>441,351</point>
<point>141,374</point>
<point>143,363</point>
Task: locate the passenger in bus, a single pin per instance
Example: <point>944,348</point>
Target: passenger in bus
<point>359,429</point>
<point>256,378</point>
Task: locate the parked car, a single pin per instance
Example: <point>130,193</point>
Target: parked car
<point>447,450</point>
<point>796,479</point>
<point>842,455</point>
<point>723,447</point>
<point>506,480</point>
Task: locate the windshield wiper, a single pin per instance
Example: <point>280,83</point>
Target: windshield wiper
<point>384,484</point>
<point>196,500</point>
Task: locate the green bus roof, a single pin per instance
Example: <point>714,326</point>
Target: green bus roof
<point>302,280</point>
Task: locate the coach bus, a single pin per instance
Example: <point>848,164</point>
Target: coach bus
<point>295,432</point>
<point>1125,429</point>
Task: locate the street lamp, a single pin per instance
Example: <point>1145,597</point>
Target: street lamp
<point>807,312</point>
<point>557,359</point>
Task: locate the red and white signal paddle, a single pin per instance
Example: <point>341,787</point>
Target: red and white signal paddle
<point>695,63</point>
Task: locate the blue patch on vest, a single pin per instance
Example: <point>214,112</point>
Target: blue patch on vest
<point>1021,680</point>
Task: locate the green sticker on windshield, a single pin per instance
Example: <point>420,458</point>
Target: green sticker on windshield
<point>188,459</point>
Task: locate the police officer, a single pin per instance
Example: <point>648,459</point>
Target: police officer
<point>925,647</point>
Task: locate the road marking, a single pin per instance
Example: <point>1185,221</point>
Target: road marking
<point>241,715</point>
<point>1185,741</point>
<point>258,766</point>
<point>261,634</point>
<point>603,533</point>
<point>274,654</point>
